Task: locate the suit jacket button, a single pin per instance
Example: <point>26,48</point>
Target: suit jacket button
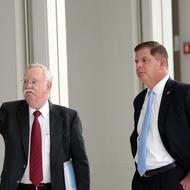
<point>24,166</point>
<point>18,181</point>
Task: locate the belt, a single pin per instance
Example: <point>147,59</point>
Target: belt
<point>150,173</point>
<point>41,186</point>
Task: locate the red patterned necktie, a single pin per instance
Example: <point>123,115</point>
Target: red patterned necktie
<point>36,174</point>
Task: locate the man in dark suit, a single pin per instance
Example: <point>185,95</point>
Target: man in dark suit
<point>166,157</point>
<point>56,140</point>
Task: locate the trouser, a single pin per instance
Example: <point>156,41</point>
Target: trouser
<point>32,187</point>
<point>169,180</point>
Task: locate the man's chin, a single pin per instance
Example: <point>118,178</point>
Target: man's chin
<point>141,77</point>
<point>29,98</point>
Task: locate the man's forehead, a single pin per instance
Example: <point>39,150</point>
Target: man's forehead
<point>33,75</point>
<point>34,71</point>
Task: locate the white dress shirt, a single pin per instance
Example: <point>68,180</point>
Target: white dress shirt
<point>45,131</point>
<point>157,156</point>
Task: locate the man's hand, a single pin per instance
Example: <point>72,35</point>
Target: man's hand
<point>186,182</point>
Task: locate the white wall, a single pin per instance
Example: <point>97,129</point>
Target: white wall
<point>7,51</point>
<point>184,37</point>
<point>101,35</point>
<point>157,25</point>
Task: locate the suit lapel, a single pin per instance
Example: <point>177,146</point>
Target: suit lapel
<point>138,106</point>
<point>55,133</point>
<point>166,98</point>
<point>23,124</point>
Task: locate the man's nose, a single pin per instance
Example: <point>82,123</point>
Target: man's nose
<point>28,84</point>
<point>138,65</point>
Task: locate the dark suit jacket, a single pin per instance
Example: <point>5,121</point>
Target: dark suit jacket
<point>173,121</point>
<point>66,142</point>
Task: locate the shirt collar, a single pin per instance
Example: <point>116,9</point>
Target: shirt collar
<point>44,109</point>
<point>158,88</point>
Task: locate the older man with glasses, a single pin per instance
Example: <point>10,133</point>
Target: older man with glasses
<point>40,137</point>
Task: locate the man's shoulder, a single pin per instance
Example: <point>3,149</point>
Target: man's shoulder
<point>13,106</point>
<point>178,86</point>
<point>62,109</point>
<point>14,103</point>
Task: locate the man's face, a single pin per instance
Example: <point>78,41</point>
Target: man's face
<point>36,88</point>
<point>148,68</point>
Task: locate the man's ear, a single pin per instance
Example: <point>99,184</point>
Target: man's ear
<point>49,84</point>
<point>163,62</point>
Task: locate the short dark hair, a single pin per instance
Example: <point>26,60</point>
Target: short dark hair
<point>156,49</point>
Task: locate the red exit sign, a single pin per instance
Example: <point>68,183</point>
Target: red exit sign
<point>186,47</point>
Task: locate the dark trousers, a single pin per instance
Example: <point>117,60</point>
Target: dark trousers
<point>169,180</point>
<point>32,187</point>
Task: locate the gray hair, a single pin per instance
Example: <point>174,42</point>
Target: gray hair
<point>46,71</point>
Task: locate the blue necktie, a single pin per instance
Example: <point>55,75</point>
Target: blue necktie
<point>141,165</point>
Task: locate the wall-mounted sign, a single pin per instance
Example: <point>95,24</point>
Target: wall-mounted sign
<point>186,47</point>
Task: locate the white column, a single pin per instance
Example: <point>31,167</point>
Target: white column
<point>157,25</point>
<point>47,43</point>
<point>21,60</point>
<point>57,50</point>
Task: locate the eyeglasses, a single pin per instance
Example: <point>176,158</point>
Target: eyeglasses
<point>32,82</point>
